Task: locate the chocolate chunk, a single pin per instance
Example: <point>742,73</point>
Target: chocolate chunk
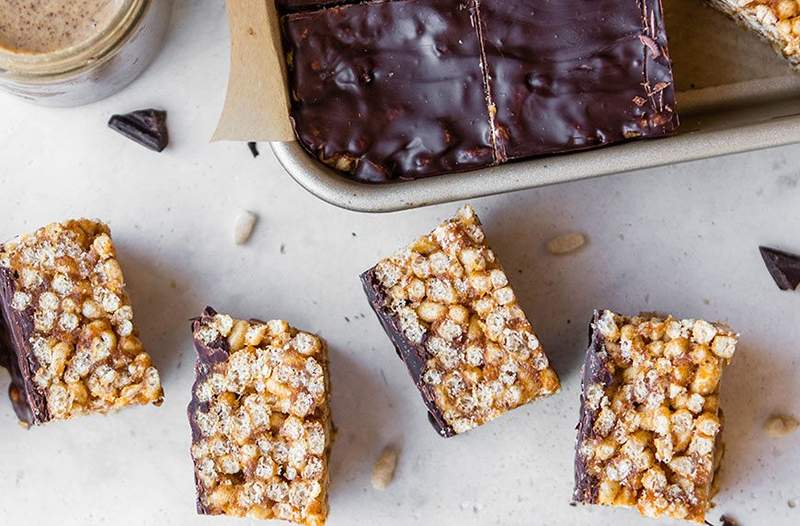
<point>146,127</point>
<point>783,267</point>
<point>253,148</point>
<point>390,90</point>
<point>728,521</point>
<point>571,75</point>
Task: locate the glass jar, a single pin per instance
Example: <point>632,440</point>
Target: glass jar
<point>79,51</point>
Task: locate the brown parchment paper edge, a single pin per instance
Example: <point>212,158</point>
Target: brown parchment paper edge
<point>257,101</point>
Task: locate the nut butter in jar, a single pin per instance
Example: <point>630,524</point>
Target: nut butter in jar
<point>73,52</point>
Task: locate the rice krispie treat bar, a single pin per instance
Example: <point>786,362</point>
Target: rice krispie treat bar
<point>650,423</point>
<point>260,419</point>
<point>775,21</point>
<point>69,340</point>
<point>450,312</point>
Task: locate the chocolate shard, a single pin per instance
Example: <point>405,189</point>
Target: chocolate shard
<point>253,148</point>
<point>782,266</point>
<point>146,127</point>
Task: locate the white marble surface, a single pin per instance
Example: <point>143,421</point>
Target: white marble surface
<point>680,239</point>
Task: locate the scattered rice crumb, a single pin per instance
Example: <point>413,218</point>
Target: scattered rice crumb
<point>566,243</point>
<point>383,470</point>
<point>243,229</point>
<point>778,426</point>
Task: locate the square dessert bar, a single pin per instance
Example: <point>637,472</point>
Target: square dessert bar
<point>390,90</point>
<point>573,74</point>
<point>649,434</point>
<point>453,318</point>
<point>68,339</point>
<point>260,419</point>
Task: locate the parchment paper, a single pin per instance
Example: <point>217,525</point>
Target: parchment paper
<point>257,102</point>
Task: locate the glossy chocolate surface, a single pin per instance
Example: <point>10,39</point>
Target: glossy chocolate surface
<point>403,89</point>
<point>390,90</point>
<point>574,74</point>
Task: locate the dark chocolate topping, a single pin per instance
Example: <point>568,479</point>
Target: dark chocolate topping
<point>783,267</point>
<point>569,75</point>
<point>290,6</point>
<point>28,402</point>
<point>207,356</point>
<point>595,371</point>
<point>413,88</point>
<point>414,356</point>
<point>390,90</point>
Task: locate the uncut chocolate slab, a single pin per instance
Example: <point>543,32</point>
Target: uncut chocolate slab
<point>390,90</point>
<point>572,74</point>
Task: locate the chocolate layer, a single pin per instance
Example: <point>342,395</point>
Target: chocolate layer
<point>572,74</point>
<point>290,6</point>
<point>414,356</point>
<point>207,356</point>
<point>390,90</point>
<point>413,88</point>
<point>16,355</point>
<point>595,371</point>
<point>783,267</point>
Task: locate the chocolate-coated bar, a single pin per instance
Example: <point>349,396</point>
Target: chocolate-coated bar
<point>68,339</point>
<point>451,314</point>
<point>405,89</point>
<point>573,74</point>
<point>260,420</point>
<point>390,90</point>
<point>649,434</point>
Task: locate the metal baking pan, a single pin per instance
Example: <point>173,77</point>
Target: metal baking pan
<point>735,95</point>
